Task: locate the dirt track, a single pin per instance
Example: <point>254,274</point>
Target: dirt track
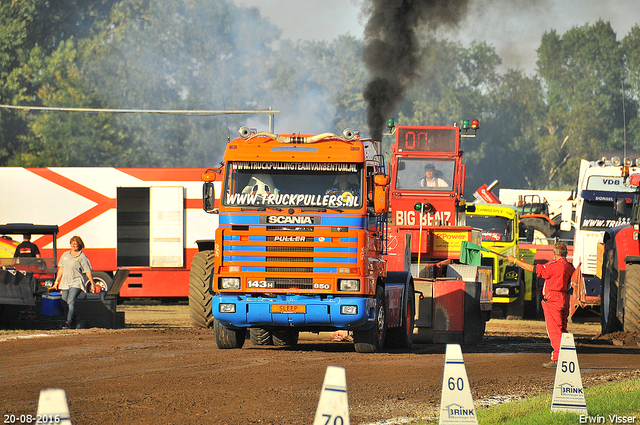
<point>158,370</point>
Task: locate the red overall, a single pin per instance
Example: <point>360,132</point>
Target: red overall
<point>555,303</point>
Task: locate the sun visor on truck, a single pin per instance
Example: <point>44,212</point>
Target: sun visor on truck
<point>603,196</point>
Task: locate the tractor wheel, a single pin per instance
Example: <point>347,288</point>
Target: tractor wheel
<point>228,338</point>
<point>609,291</point>
<point>259,336</point>
<point>285,337</point>
<point>372,340</point>
<point>632,298</point>
<point>402,337</point>
<point>200,296</point>
<point>543,231</point>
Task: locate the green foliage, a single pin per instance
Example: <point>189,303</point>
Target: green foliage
<point>619,398</point>
<point>582,72</point>
<point>508,135</point>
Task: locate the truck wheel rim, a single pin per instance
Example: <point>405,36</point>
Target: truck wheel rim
<point>381,320</point>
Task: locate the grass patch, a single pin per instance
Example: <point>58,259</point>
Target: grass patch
<point>603,402</point>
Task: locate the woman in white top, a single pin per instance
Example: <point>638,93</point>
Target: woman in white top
<point>74,270</point>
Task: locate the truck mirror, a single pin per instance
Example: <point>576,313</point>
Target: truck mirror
<point>381,199</point>
<point>566,216</point>
<point>381,180</point>
<point>620,207</point>
<point>208,197</point>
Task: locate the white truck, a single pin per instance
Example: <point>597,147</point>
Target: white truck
<point>600,184</point>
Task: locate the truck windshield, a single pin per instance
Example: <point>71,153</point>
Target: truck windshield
<point>424,174</point>
<point>601,216</point>
<point>293,184</point>
<point>494,229</point>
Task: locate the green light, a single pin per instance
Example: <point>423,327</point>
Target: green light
<point>391,123</point>
<point>418,206</point>
<point>465,124</point>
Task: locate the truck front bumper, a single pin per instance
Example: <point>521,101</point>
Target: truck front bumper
<point>299,311</point>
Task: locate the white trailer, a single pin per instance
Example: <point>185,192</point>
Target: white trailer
<point>149,220</point>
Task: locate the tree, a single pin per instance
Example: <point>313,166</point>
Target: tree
<point>182,55</point>
<point>631,48</point>
<point>582,73</point>
<point>507,138</point>
<point>70,139</point>
<point>31,31</point>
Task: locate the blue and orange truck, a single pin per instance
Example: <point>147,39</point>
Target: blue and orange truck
<point>300,244</point>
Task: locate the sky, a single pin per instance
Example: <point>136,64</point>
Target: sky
<point>513,27</point>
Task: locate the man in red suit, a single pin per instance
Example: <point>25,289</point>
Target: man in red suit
<point>555,299</point>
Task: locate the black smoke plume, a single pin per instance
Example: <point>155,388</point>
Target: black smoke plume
<point>392,49</point>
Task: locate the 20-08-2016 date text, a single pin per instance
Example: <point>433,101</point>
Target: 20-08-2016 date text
<point>10,418</point>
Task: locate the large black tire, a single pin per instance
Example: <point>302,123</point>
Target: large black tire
<point>402,337</point>
<point>609,321</point>
<point>515,310</point>
<point>200,296</point>
<point>259,336</point>
<point>372,340</point>
<point>542,230</point>
<point>103,280</point>
<point>632,298</point>
<point>285,337</point>
<point>228,338</point>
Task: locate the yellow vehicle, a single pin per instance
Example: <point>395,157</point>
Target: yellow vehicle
<point>513,288</point>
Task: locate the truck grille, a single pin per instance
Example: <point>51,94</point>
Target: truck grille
<point>291,260</point>
<point>289,269</point>
<point>293,283</point>
<point>289,248</point>
<point>289,229</point>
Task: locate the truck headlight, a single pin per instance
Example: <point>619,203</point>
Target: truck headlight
<point>227,308</point>
<point>502,291</point>
<point>349,309</point>
<point>229,283</point>
<point>349,285</point>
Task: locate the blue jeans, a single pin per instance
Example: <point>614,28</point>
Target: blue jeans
<point>69,296</point>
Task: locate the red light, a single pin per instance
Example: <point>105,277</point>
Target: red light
<point>475,124</point>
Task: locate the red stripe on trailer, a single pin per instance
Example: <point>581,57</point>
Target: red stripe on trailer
<point>193,204</point>
<point>165,174</point>
<point>104,203</point>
